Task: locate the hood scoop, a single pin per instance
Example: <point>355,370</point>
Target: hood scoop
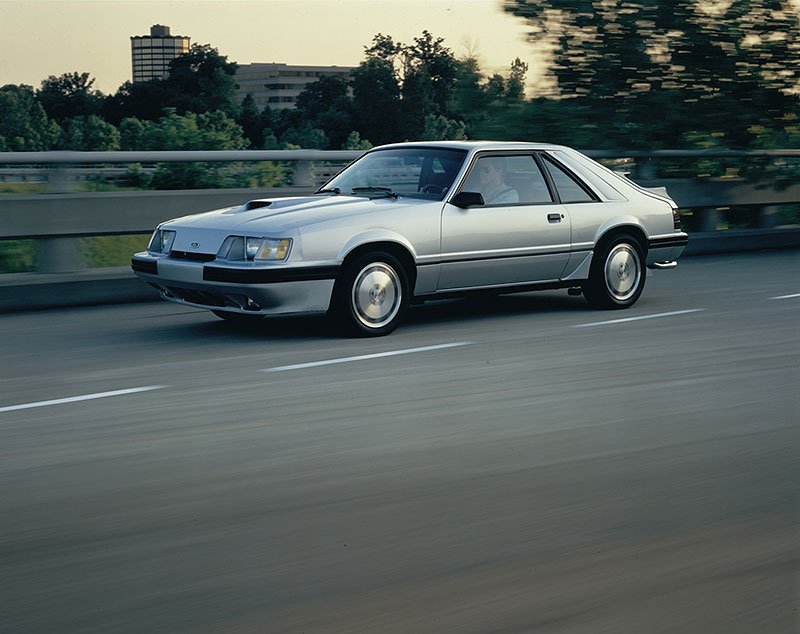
<point>257,204</point>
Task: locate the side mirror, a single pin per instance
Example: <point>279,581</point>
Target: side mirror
<point>463,200</point>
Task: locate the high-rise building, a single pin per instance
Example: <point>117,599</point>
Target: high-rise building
<point>151,54</point>
<point>278,85</point>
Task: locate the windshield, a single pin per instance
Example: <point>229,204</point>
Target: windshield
<point>419,172</point>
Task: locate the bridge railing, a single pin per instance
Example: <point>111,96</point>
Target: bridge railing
<point>61,214</point>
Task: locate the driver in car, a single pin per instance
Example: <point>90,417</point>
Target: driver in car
<point>492,172</point>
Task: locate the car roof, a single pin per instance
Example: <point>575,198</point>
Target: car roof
<point>474,145</point>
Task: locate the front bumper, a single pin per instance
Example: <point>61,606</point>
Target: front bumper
<point>252,290</point>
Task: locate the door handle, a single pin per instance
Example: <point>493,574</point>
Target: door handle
<point>554,217</point>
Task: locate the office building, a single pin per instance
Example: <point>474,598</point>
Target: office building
<point>278,85</point>
<point>151,54</point>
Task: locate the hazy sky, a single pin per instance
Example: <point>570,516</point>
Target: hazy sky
<point>39,38</point>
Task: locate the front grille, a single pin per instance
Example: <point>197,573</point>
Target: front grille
<point>193,257</point>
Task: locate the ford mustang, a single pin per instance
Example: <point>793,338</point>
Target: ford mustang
<point>409,222</point>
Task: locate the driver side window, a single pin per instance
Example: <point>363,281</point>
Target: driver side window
<point>508,180</point>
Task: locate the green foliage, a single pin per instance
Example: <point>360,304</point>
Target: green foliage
<point>88,133</point>
<point>305,137</point>
<point>199,81</point>
<point>104,251</point>
<point>440,128</point>
<point>131,131</point>
<point>654,70</point>
<point>207,131</point>
<point>326,105</point>
<point>355,142</point>
<point>202,81</point>
<point>24,125</point>
<point>136,178</point>
<point>17,256</point>
<point>69,95</point>
<point>376,100</point>
<point>251,122</point>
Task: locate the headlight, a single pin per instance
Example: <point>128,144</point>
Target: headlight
<point>270,249</point>
<point>255,249</point>
<point>161,242</point>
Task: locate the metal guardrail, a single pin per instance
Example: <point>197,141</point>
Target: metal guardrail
<point>61,215</point>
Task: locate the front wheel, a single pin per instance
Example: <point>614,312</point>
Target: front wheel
<point>617,276</point>
<point>371,296</point>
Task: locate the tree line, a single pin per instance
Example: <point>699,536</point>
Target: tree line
<point>624,74</point>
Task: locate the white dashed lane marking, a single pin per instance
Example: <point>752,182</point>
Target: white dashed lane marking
<point>786,296</point>
<point>85,397</point>
<point>364,357</point>
<point>639,318</point>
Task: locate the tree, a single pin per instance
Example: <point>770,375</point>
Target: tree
<point>206,131</point>
<point>326,104</point>
<point>306,137</point>
<point>69,95</point>
<point>438,62</point>
<point>376,100</point>
<point>88,134</point>
<point>440,128</point>
<point>251,121</point>
<point>515,85</point>
<point>202,80</point>
<point>355,142</point>
<point>143,100</point>
<point>199,81</point>
<point>24,125</point>
<point>495,87</point>
<point>131,131</point>
<point>657,71</point>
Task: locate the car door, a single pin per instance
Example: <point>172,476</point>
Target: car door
<point>520,235</point>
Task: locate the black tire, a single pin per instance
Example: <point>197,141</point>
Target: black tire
<point>371,295</point>
<point>617,276</point>
<point>237,317</point>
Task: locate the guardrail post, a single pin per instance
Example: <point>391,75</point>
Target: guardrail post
<point>646,169</point>
<point>59,255</point>
<point>301,176</point>
<point>769,217</point>
<point>707,219</point>
<point>62,254</point>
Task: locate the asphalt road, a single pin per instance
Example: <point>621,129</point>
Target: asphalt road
<point>544,473</point>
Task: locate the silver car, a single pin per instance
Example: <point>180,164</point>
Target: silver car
<point>415,221</point>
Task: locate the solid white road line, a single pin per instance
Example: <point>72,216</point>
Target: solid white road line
<point>363,357</point>
<point>786,296</point>
<point>619,321</point>
<point>85,397</point>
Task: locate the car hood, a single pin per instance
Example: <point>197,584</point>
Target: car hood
<point>287,213</point>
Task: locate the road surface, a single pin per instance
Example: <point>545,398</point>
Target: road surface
<point>530,465</point>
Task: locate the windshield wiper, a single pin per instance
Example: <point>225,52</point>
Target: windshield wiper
<point>330,190</point>
<point>386,191</point>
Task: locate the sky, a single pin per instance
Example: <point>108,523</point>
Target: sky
<point>39,38</point>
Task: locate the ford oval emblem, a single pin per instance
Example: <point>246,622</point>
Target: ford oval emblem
<point>195,245</point>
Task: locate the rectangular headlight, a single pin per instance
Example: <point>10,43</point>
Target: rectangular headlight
<point>270,249</point>
<point>238,248</point>
<point>161,242</point>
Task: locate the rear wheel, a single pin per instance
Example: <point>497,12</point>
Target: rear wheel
<point>617,276</point>
<point>372,294</point>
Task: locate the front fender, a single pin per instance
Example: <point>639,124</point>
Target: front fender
<point>373,236</point>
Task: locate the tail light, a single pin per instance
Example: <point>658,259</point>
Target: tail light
<point>676,219</point>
